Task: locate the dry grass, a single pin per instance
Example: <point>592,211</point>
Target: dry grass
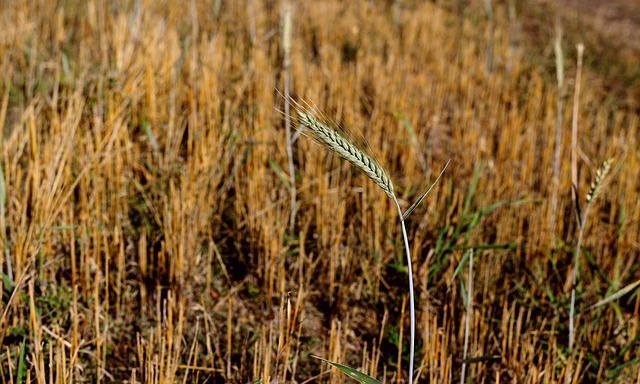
<point>146,215</point>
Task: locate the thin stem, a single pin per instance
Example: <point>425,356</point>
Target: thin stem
<point>558,142</point>
<point>574,278</point>
<point>576,204</point>
<point>574,134</point>
<point>412,311</point>
<point>286,43</point>
<point>467,319</point>
<point>292,172</point>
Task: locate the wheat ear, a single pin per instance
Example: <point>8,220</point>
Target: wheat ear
<point>596,185</point>
<point>333,141</point>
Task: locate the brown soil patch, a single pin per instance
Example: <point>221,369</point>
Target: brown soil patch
<point>617,18</point>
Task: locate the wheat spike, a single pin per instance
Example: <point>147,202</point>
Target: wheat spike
<point>596,185</point>
<point>336,143</point>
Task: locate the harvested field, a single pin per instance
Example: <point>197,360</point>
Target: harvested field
<point>146,220</point>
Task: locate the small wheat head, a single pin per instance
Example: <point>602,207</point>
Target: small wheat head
<point>336,143</point>
<point>596,185</point>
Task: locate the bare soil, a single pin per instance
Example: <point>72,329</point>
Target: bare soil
<point>615,18</point>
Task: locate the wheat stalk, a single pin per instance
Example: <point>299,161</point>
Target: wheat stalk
<point>344,148</point>
<point>336,143</point>
<point>594,191</point>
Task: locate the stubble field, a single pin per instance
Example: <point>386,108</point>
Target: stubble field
<point>145,194</point>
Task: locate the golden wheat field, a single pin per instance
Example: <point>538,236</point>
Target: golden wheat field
<point>150,232</point>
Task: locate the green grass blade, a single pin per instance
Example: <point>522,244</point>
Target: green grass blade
<point>352,373</point>
<point>616,295</point>
<point>615,372</point>
<point>463,293</point>
<point>21,367</point>
<point>405,123</point>
<point>414,139</point>
<point>485,246</point>
<point>66,69</point>
<point>62,227</point>
<point>145,126</point>
<point>461,265</point>
<point>472,191</point>
<point>7,283</point>
<point>276,168</point>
